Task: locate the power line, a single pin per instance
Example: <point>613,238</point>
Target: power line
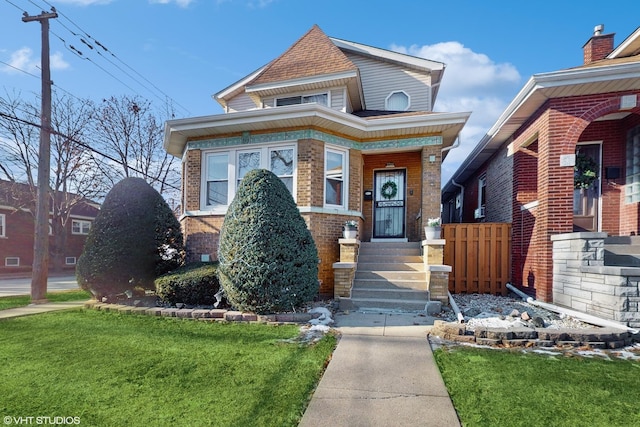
<point>84,145</point>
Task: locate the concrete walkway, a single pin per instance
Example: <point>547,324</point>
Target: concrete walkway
<point>382,373</point>
<point>39,308</point>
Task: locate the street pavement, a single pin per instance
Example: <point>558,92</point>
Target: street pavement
<point>22,285</point>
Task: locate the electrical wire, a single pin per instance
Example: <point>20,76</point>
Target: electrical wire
<point>82,144</point>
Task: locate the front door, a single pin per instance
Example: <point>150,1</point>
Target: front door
<point>586,193</point>
<point>389,204</point>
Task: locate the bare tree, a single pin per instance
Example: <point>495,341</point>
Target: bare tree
<point>131,131</point>
<point>75,177</point>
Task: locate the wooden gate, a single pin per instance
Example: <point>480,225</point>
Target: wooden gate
<point>480,257</point>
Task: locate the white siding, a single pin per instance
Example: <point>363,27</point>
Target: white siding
<point>337,99</point>
<point>379,79</point>
<point>241,102</point>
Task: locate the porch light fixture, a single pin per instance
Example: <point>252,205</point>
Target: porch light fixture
<point>390,165</point>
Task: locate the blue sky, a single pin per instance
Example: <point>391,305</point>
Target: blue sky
<point>188,50</point>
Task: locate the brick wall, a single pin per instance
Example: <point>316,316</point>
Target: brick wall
<point>500,191</point>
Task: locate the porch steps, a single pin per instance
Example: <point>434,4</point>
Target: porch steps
<point>390,276</point>
<point>622,251</point>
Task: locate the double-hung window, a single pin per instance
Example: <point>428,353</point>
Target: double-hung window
<point>80,227</point>
<point>335,177</point>
<point>3,225</point>
<point>224,170</point>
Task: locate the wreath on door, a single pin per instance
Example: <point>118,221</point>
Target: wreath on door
<point>584,172</point>
<point>389,190</point>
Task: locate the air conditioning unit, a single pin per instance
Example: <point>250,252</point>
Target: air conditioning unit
<point>478,213</point>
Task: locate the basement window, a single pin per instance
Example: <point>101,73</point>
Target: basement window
<point>12,261</point>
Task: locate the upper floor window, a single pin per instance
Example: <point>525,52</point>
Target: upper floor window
<point>80,227</point>
<point>223,171</point>
<point>397,101</point>
<point>3,225</point>
<point>320,98</point>
<point>335,182</point>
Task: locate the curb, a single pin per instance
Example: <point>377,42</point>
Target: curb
<point>597,338</point>
<point>211,315</point>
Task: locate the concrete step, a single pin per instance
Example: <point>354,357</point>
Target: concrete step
<point>407,275</point>
<point>386,284</point>
<point>377,258</point>
<point>403,305</point>
<point>390,249</point>
<point>390,266</point>
<point>409,295</point>
<point>622,240</point>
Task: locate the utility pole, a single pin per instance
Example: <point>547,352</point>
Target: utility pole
<point>40,269</point>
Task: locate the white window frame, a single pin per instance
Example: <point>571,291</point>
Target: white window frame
<point>345,177</point>
<point>3,225</point>
<point>304,98</point>
<point>81,226</point>
<point>232,170</point>
<point>70,260</point>
<point>386,100</point>
<point>7,262</point>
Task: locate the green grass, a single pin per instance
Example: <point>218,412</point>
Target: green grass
<point>112,369</point>
<point>503,388</point>
<point>58,296</point>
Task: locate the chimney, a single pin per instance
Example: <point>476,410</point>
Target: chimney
<point>599,45</point>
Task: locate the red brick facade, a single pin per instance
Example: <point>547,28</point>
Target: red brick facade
<point>202,230</point>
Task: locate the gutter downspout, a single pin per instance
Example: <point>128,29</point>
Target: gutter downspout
<point>578,315</point>
<point>456,144</point>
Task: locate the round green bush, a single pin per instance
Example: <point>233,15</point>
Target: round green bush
<point>134,238</point>
<point>268,259</point>
<point>192,284</point>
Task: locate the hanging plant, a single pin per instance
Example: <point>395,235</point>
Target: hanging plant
<point>584,172</point>
<point>389,190</point>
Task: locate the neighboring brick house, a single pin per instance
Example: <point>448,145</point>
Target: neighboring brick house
<point>339,122</point>
<point>17,227</point>
<point>563,157</point>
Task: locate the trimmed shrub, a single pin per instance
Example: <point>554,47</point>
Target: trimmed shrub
<point>268,259</point>
<point>134,238</point>
<point>192,284</point>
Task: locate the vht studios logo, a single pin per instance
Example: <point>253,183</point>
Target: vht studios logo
<point>8,420</point>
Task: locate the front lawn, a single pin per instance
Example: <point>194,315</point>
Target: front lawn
<point>503,388</point>
<point>57,296</point>
<point>110,369</point>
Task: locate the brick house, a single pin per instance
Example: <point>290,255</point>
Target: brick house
<point>561,162</point>
<point>17,227</point>
<point>339,122</point>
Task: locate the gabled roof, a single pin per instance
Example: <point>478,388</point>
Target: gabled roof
<point>20,196</point>
<point>608,75</point>
<point>312,55</point>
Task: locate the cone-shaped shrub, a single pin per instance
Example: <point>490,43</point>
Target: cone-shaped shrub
<point>134,238</point>
<point>268,259</point>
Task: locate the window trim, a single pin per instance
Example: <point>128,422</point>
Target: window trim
<point>67,260</point>
<point>345,177</point>
<point>232,170</point>
<point>81,222</point>
<point>16,258</point>
<point>3,225</point>
<point>386,100</point>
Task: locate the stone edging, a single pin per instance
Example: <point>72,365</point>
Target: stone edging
<point>212,315</point>
<point>597,338</point>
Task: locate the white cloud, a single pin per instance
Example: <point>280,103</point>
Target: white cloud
<point>24,60</point>
<point>180,3</point>
<point>473,83</point>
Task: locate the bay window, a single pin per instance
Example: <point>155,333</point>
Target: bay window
<point>224,170</point>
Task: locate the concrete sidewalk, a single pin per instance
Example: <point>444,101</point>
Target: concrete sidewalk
<point>382,373</point>
<point>39,308</point>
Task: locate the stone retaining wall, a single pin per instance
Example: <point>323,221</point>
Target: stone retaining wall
<point>583,283</point>
<point>601,338</point>
<point>220,315</point>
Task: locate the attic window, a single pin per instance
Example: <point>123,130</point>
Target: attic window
<point>320,98</point>
<point>397,101</point>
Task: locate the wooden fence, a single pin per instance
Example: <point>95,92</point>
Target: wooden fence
<point>479,255</point>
